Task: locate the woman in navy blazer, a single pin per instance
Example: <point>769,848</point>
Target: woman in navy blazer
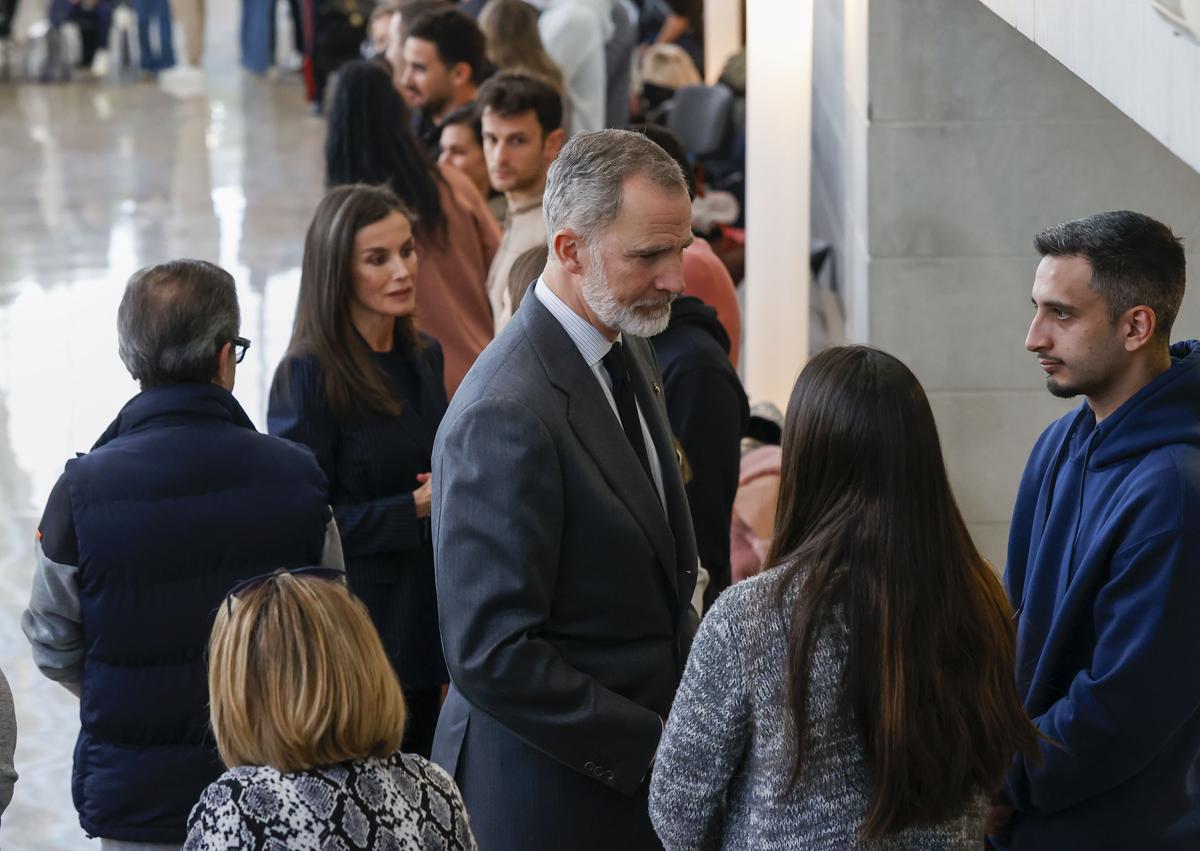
<point>364,390</point>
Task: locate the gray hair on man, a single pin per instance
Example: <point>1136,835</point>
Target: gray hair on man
<point>173,320</point>
<point>584,185</point>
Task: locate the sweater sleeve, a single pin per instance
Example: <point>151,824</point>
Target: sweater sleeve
<point>53,622</point>
<point>297,410</point>
<point>704,738</point>
<point>1126,705</point>
<point>8,743</point>
<point>487,231</point>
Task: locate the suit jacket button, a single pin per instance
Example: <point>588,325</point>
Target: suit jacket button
<point>609,776</point>
<point>591,766</point>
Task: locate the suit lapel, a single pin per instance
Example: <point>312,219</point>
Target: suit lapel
<point>597,427</point>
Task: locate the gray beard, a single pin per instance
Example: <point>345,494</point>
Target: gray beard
<point>627,320</point>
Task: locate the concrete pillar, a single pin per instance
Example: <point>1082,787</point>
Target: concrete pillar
<point>722,35</point>
<point>975,139</point>
<point>778,127</point>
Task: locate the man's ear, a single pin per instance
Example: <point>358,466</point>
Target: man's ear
<point>1139,325</point>
<point>226,367</point>
<point>553,144</point>
<point>460,74</point>
<point>569,249</point>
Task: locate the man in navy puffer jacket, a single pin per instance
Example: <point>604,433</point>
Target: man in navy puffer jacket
<point>1104,552</point>
<point>140,541</point>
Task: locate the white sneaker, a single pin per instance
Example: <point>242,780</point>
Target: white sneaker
<point>182,81</point>
<point>291,63</point>
<point>100,64</point>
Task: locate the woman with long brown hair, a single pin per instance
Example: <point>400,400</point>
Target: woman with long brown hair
<point>364,390</point>
<point>860,694</point>
<point>368,141</point>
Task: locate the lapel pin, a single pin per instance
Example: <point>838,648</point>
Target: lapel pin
<point>657,390</point>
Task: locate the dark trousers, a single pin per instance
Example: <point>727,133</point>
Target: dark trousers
<point>423,706</point>
<point>8,11</point>
<point>93,25</point>
<point>385,602</point>
<point>331,39</point>
<point>155,14</point>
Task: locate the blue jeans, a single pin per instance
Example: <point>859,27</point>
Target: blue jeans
<point>258,35</point>
<point>148,11</point>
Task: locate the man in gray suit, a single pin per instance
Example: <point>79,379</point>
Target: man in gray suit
<point>564,552</point>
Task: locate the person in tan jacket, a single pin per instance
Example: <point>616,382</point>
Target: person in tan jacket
<point>457,235</point>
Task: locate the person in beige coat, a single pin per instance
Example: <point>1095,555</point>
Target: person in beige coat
<point>456,234</point>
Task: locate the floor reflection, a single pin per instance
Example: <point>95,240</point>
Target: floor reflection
<point>96,181</point>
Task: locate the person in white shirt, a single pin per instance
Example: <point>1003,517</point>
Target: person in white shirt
<point>575,33</point>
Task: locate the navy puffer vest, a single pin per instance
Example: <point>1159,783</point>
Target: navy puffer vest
<point>178,500</point>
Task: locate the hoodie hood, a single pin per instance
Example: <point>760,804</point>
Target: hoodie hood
<point>1166,412</point>
<point>689,310</point>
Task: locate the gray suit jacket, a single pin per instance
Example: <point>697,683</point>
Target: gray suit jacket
<point>563,585</point>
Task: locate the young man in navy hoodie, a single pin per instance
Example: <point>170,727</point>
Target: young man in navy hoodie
<point>1104,553</point>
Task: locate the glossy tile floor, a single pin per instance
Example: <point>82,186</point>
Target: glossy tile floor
<point>97,180</point>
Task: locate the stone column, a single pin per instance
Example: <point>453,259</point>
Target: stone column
<point>778,127</point>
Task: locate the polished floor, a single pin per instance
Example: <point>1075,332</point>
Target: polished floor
<point>97,180</point>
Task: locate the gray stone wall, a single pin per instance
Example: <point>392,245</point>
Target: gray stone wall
<point>976,140</point>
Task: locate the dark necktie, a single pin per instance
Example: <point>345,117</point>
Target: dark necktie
<point>618,371</point>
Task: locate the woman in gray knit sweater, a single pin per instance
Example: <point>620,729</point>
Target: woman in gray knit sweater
<point>860,694</point>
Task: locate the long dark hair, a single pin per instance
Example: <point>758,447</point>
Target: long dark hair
<point>369,141</point>
<point>355,384</point>
<point>867,523</point>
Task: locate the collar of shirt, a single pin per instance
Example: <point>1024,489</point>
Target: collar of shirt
<point>592,345</point>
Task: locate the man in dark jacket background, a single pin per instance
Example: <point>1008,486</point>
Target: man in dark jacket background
<point>141,540</point>
<point>709,414</point>
<point>1104,552</point>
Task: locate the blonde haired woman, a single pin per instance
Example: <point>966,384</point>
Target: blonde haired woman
<point>308,715</point>
<point>513,41</point>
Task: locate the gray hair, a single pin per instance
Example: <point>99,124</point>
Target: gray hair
<point>584,185</point>
<point>173,320</point>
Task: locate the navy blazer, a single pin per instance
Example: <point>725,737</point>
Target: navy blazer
<point>372,467</point>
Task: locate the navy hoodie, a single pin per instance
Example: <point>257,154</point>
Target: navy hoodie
<point>1104,577</point>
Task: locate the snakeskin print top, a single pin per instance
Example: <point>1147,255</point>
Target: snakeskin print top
<point>401,802</point>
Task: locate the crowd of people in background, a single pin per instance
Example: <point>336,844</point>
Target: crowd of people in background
<point>519,567</point>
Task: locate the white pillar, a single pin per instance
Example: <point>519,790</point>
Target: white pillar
<point>779,141</point>
<point>722,35</point>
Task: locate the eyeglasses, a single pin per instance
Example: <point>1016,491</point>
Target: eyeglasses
<point>240,344</point>
<point>331,574</point>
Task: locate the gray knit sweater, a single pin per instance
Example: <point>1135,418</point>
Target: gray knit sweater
<point>8,743</point>
<point>721,775</point>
